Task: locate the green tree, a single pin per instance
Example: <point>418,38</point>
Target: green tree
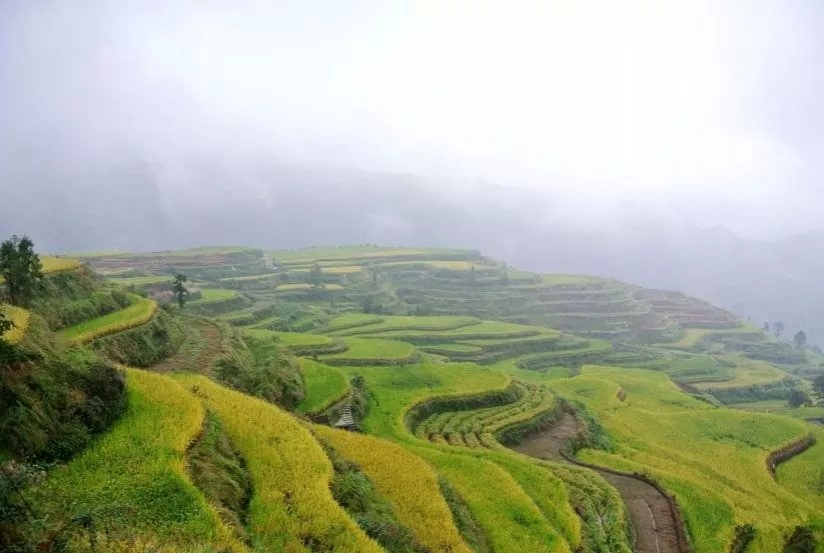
<point>802,540</point>
<point>316,278</point>
<point>798,398</point>
<point>5,324</point>
<point>800,339</point>
<point>180,290</point>
<point>778,328</point>
<point>21,269</point>
<point>818,386</point>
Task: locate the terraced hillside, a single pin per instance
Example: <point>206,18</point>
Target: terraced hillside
<point>565,320</point>
<point>487,410</point>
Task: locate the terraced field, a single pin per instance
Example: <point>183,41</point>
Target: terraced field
<point>139,312</point>
<point>444,358</point>
<point>136,471</point>
<point>369,351</point>
<point>713,460</point>
<point>477,427</point>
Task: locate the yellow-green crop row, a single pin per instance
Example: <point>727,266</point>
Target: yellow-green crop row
<point>136,472</point>
<point>407,481</point>
<point>510,518</point>
<point>371,351</point>
<point>292,504</point>
<point>324,386</point>
<point>57,264</point>
<point>138,313</point>
<point>299,287</point>
<point>214,295</point>
<point>20,318</point>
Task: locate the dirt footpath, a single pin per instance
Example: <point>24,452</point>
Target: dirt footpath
<point>655,523</point>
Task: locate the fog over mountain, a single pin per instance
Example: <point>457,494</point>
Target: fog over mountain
<point>676,145</point>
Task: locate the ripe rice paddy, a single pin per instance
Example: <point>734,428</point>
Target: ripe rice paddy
<point>139,312</point>
<point>20,318</point>
<point>292,503</point>
<point>136,472</point>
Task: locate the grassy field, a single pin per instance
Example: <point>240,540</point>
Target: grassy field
<point>764,406</point>
<point>303,287</point>
<point>139,312</point>
<point>329,269</point>
<point>484,329</point>
<point>213,295</point>
<point>349,320</point>
<point>288,338</point>
<point>372,351</point>
<point>689,340</point>
<point>457,265</point>
<point>20,318</point>
<point>712,459</point>
<point>324,386</point>
<point>746,373</point>
<point>398,323</point>
<point>143,280</point>
<point>133,479</point>
<point>366,253</point>
<point>572,280</point>
<point>57,264</point>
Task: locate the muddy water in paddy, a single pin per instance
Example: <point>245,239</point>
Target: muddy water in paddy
<point>652,517</point>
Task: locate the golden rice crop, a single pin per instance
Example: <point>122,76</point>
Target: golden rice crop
<point>20,318</point>
<point>138,313</point>
<point>292,505</point>
<point>407,481</point>
<point>57,264</point>
<point>511,520</point>
<point>137,472</point>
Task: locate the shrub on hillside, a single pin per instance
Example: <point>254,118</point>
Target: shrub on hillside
<point>53,401</point>
<point>260,368</point>
<point>145,345</point>
<point>71,312</point>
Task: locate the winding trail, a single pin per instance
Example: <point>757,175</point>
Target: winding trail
<point>201,345</point>
<point>656,524</point>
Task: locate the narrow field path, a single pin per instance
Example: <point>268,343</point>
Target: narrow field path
<point>201,345</point>
<point>656,524</point>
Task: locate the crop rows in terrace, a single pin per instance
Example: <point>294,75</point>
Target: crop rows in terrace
<point>139,312</point>
<point>476,428</point>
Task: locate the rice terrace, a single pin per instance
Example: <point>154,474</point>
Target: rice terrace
<point>406,400</point>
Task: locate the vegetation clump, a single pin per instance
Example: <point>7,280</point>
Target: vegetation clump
<point>260,368</point>
<point>469,528</point>
<point>220,472</point>
<point>356,493</point>
<point>21,270</point>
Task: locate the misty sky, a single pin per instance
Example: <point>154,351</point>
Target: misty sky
<point>709,110</point>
